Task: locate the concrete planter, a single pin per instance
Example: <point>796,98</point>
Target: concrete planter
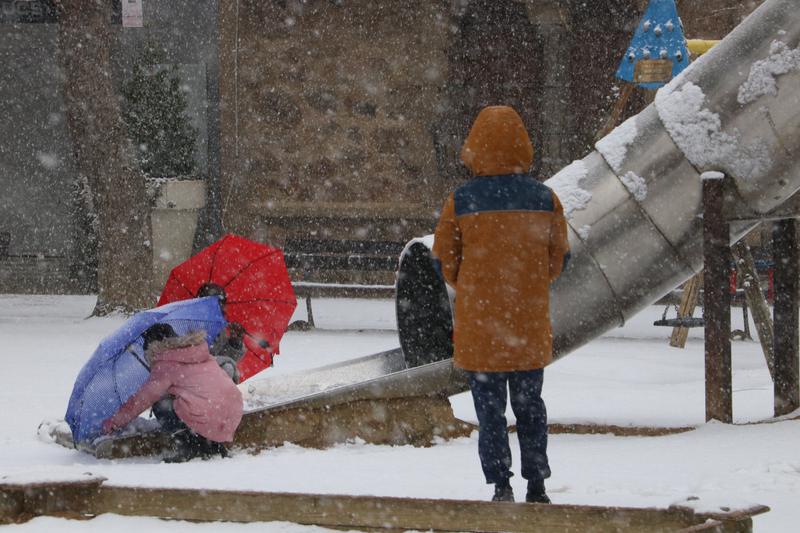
<point>174,221</point>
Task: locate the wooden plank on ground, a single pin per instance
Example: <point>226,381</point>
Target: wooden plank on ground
<point>611,429</point>
<point>20,502</point>
<point>84,499</point>
<point>371,512</point>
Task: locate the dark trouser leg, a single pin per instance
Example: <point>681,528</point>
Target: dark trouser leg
<point>528,406</point>
<point>186,442</point>
<point>165,414</point>
<point>489,395</point>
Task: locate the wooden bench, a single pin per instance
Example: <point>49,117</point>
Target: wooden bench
<point>339,250</point>
<point>317,259</point>
<point>311,256</point>
<point>89,497</point>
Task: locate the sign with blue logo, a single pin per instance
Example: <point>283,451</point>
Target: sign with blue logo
<point>657,52</point>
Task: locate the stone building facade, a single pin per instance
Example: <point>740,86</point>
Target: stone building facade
<point>43,224</point>
<point>337,118</point>
<point>359,107</point>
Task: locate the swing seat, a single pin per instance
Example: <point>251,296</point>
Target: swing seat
<point>684,322</point>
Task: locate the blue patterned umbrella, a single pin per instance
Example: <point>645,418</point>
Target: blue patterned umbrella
<point>118,368</point>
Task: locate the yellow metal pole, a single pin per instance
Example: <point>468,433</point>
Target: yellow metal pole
<point>698,47</point>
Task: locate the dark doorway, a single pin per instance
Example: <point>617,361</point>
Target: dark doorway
<point>495,59</point>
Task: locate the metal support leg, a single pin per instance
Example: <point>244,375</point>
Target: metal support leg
<point>717,304</point>
<point>785,316</point>
<point>310,319</point>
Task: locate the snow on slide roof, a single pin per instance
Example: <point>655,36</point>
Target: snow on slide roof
<point>698,133</point>
<point>635,184</point>
<point>761,80</point>
<point>567,186</point>
<point>614,146</point>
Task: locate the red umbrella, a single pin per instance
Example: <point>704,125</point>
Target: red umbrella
<point>257,290</point>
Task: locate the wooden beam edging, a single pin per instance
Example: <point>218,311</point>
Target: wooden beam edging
<point>84,499</point>
<point>414,420</point>
<point>315,429</point>
<point>616,430</point>
<point>20,502</point>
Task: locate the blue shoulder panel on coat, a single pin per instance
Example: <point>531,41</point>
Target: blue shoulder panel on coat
<point>511,192</point>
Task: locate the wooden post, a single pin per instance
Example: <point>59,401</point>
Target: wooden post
<point>691,290</point>
<point>787,371</point>
<point>754,298</point>
<point>616,112</point>
<point>717,302</point>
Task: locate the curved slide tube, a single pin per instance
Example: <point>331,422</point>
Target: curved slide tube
<point>634,209</point>
<point>634,205</point>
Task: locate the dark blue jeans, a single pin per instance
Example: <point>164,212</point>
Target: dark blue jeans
<point>489,392</point>
<point>165,414</point>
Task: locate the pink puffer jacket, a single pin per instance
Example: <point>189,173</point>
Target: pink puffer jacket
<point>205,397</point>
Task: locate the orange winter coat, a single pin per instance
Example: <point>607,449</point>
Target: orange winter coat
<point>501,240</point>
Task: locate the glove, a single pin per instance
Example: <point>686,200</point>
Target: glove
<point>109,427</point>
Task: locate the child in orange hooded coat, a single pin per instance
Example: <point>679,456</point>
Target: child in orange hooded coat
<point>501,240</point>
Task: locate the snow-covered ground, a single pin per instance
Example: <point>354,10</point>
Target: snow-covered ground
<point>630,376</point>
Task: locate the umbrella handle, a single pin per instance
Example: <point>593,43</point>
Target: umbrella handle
<point>257,350</point>
<point>261,343</point>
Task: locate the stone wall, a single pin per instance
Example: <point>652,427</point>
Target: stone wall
<point>329,106</point>
<point>43,226</point>
<point>37,176</point>
<point>331,103</point>
<point>362,106</point>
<point>713,19</point>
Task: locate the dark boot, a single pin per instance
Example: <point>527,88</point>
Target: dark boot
<point>184,447</point>
<point>222,450</point>
<point>503,492</point>
<point>536,492</point>
<point>210,449</point>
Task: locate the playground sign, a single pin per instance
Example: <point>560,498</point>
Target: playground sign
<point>652,71</point>
<point>657,52</point>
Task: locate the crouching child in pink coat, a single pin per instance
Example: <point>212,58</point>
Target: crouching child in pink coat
<point>207,404</point>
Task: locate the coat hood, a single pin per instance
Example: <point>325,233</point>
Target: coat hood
<point>191,348</point>
<point>497,144</point>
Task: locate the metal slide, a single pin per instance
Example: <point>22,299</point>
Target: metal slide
<point>634,213</point>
